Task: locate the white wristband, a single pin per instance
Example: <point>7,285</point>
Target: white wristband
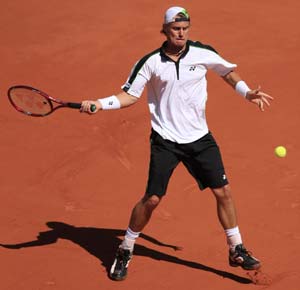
<point>110,103</point>
<point>242,88</point>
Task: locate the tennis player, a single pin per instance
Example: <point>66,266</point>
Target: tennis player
<point>177,92</point>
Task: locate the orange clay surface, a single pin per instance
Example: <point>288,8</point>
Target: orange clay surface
<point>69,181</point>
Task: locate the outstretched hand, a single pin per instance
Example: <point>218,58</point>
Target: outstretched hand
<point>259,98</point>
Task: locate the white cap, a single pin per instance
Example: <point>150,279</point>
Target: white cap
<point>171,13</point>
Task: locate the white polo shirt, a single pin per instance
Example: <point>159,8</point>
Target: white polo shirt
<point>177,91</point>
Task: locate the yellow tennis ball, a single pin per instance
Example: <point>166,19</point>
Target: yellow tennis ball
<point>280,151</point>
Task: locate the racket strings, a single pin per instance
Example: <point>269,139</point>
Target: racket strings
<point>30,102</point>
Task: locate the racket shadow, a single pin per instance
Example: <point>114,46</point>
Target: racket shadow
<point>102,243</point>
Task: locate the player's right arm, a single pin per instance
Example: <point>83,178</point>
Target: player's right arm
<point>126,99</point>
<point>121,100</point>
<point>132,90</point>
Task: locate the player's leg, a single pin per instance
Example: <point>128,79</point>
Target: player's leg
<point>140,216</point>
<point>238,254</point>
<point>207,168</point>
<point>225,206</point>
<point>142,212</point>
<point>162,163</point>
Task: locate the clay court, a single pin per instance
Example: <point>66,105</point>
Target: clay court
<point>69,181</point>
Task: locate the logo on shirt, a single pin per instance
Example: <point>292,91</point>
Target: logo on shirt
<point>127,86</point>
<point>192,68</point>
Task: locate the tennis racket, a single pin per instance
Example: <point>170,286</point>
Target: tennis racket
<point>33,102</point>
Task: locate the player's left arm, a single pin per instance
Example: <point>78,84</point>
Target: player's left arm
<point>255,96</point>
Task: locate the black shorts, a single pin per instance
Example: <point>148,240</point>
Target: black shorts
<point>202,159</point>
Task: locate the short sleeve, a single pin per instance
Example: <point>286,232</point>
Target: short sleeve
<point>219,65</point>
<point>137,80</point>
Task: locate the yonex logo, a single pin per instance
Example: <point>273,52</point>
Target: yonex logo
<point>110,103</point>
<point>127,86</point>
<point>224,177</point>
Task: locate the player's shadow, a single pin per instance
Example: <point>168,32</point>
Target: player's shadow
<point>102,243</point>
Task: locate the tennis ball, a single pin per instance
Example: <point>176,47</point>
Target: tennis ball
<point>280,151</point>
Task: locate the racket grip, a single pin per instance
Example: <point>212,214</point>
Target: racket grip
<point>78,106</point>
<point>93,108</point>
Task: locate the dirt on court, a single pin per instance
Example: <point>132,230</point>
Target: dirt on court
<point>69,181</point>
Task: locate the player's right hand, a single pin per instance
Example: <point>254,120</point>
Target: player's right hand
<point>90,107</point>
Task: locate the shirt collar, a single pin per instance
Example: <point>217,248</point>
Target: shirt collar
<point>162,53</point>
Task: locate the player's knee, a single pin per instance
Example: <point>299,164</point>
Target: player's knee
<point>151,201</point>
<point>223,193</point>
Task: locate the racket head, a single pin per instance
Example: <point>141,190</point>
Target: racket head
<point>30,101</point>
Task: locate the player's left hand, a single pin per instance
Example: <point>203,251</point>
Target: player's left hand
<point>259,98</point>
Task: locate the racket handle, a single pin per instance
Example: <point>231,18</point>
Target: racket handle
<point>93,108</point>
<point>78,106</point>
